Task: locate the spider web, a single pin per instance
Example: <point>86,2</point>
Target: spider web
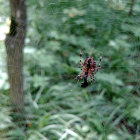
<point>51,15</point>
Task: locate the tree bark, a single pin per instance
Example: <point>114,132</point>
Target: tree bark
<point>14,43</point>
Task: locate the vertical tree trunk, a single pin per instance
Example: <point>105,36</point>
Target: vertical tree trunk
<point>131,7</point>
<point>14,43</point>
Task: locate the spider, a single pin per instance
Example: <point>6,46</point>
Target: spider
<point>89,69</point>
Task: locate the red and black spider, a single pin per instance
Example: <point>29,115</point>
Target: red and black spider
<point>89,69</point>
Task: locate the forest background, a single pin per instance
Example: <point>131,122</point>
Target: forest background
<point>56,108</point>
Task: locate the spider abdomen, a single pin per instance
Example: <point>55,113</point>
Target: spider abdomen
<point>89,66</point>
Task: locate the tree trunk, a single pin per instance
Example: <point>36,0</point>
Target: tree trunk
<point>131,7</point>
<point>14,43</point>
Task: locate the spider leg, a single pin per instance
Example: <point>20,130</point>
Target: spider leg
<point>77,78</point>
<point>92,73</point>
<point>77,81</point>
<point>80,59</point>
<point>92,78</point>
<point>79,66</point>
<point>99,65</point>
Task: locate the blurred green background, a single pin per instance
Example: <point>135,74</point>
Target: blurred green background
<point>56,107</point>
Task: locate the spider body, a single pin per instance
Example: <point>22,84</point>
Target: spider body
<point>89,68</point>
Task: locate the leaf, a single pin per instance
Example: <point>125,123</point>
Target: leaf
<point>136,113</point>
<point>110,78</point>
<point>44,120</point>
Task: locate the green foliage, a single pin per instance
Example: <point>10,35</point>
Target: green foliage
<point>57,107</point>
